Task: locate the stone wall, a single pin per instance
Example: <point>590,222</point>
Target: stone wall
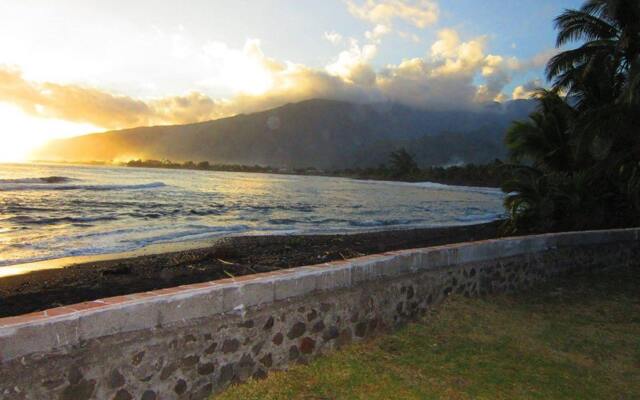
<point>191,341</point>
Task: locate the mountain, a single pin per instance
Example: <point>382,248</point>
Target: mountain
<point>313,133</point>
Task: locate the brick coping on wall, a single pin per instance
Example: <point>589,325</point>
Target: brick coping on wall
<point>71,325</point>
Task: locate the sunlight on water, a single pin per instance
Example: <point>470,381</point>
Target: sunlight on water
<point>58,211</point>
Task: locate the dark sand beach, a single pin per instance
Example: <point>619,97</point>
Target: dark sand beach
<point>222,258</point>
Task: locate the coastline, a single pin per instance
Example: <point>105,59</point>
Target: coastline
<point>73,261</point>
<point>456,182</point>
<point>37,286</point>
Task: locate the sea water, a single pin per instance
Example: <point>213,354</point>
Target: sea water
<point>54,211</point>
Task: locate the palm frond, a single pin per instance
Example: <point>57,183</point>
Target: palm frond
<point>570,59</point>
<point>599,8</point>
<point>631,91</point>
<point>574,25</point>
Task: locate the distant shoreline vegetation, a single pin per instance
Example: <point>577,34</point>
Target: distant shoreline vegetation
<point>402,167</point>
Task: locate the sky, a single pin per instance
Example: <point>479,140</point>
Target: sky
<point>69,67</point>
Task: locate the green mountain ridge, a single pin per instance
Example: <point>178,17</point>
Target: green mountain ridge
<point>314,133</point>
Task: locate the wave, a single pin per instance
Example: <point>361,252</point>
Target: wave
<point>386,222</point>
<point>282,221</point>
<point>488,217</point>
<point>41,180</point>
<point>191,232</point>
<point>26,220</point>
<point>116,244</point>
<point>439,186</point>
<point>12,187</point>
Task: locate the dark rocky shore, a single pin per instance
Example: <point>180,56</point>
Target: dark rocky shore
<point>228,257</point>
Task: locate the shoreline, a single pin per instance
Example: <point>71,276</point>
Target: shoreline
<point>53,283</point>
<point>274,171</point>
<point>72,261</point>
<point>160,248</point>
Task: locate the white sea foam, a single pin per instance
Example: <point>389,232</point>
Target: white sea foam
<point>41,180</point>
<point>439,186</point>
<point>39,185</point>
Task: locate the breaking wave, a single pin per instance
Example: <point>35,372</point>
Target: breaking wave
<point>41,180</point>
<point>38,185</point>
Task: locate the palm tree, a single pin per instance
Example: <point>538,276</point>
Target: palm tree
<point>403,164</point>
<point>525,202</point>
<point>610,32</point>
<point>578,156</point>
<point>544,141</point>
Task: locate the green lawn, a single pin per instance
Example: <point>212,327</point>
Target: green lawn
<point>576,339</point>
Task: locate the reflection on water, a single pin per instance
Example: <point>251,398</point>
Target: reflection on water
<point>80,210</point>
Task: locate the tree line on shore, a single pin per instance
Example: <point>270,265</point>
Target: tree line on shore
<point>401,167</point>
<point>202,165</point>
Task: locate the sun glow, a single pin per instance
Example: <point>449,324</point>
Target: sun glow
<point>243,71</point>
<point>251,78</point>
<point>21,133</point>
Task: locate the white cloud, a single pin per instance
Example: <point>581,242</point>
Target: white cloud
<point>352,65</point>
<point>419,13</point>
<point>497,72</point>
<point>333,37</point>
<point>377,32</point>
<point>244,70</point>
<point>415,82</point>
<point>527,90</point>
<point>455,56</point>
<point>446,78</point>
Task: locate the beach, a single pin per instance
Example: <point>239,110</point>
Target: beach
<point>73,280</point>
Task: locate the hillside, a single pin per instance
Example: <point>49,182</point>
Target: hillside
<point>313,133</point>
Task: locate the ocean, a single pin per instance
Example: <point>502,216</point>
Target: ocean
<point>55,211</point>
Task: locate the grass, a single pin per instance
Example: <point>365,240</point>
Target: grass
<point>577,339</point>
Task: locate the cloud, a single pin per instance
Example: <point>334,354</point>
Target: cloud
<point>527,90</point>
<point>445,78</point>
<point>415,82</point>
<point>352,65</point>
<point>448,77</point>
<point>333,37</point>
<point>377,32</point>
<point>245,70</point>
<point>419,13</point>
<point>70,102</point>
<point>497,72</point>
<point>75,103</point>
<point>456,73</point>
<point>456,56</point>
